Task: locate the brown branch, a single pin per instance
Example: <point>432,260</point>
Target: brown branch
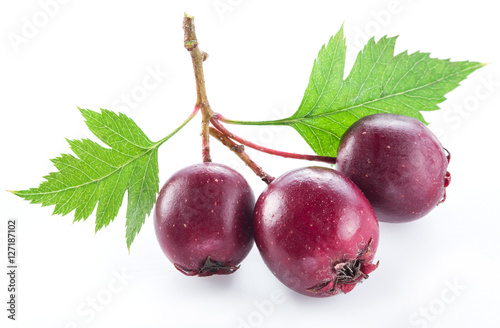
<point>197,57</point>
<point>239,150</point>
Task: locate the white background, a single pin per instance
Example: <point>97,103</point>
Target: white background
<point>92,53</point>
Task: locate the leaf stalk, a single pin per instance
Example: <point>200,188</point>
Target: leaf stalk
<point>325,159</point>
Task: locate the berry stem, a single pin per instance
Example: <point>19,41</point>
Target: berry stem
<point>239,150</point>
<point>216,123</point>
<point>197,57</point>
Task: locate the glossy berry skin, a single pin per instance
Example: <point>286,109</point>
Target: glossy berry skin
<point>398,163</point>
<point>316,231</point>
<point>203,219</point>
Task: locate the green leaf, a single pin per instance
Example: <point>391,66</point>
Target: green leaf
<point>99,176</point>
<point>379,82</point>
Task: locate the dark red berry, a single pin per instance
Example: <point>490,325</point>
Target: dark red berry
<point>398,163</point>
<point>316,231</point>
<point>203,219</point>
